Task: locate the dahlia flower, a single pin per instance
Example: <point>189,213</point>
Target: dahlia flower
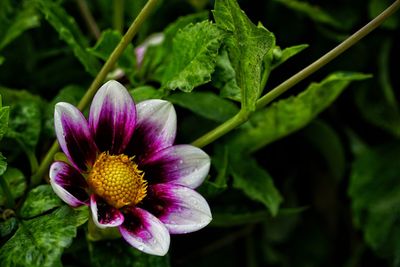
<point>124,165</point>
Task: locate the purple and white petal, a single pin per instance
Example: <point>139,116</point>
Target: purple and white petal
<point>112,117</point>
<point>68,184</point>
<point>105,215</point>
<point>181,209</point>
<point>145,232</point>
<point>74,136</point>
<point>155,128</point>
<point>181,164</point>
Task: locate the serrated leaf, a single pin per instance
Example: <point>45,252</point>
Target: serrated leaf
<point>16,182</point>
<point>375,198</point>
<point>280,56</point>
<point>248,45</point>
<point>156,57</point>
<point>224,78</point>
<point>255,182</point>
<point>193,57</point>
<point>289,115</point>
<point>41,241</point>
<point>108,40</point>
<point>205,104</point>
<point>38,201</point>
<point>24,18</point>
<point>102,254</point>
<point>69,31</point>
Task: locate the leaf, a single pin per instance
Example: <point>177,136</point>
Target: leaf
<point>205,104</point>
<point>16,182</point>
<point>374,190</point>
<point>69,31</point>
<point>325,139</point>
<point>289,115</point>
<point>23,19</point>
<point>38,201</point>
<point>41,241</point>
<point>103,254</point>
<point>8,226</point>
<point>280,56</point>
<point>255,182</point>
<point>3,166</point>
<point>145,92</point>
<point>108,40</point>
<point>313,12</point>
<point>156,57</point>
<point>248,45</point>
<point>224,77</point>
<point>4,115</point>
<point>193,57</point>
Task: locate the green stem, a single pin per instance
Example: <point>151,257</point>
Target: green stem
<point>222,129</point>
<point>118,16</point>
<point>88,18</point>
<point>30,155</point>
<point>97,82</point>
<point>295,79</point>
<point>10,202</point>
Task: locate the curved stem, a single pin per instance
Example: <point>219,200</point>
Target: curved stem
<point>88,18</point>
<point>301,75</point>
<point>101,76</point>
<point>10,202</point>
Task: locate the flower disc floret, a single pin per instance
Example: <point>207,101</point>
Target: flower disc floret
<point>117,179</point>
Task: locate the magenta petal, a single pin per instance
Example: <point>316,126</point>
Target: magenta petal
<point>68,184</point>
<point>155,128</point>
<point>145,232</point>
<point>74,136</point>
<point>181,164</point>
<point>103,214</point>
<point>112,117</point>
<point>181,209</point>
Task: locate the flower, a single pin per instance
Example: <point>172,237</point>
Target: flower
<point>123,164</point>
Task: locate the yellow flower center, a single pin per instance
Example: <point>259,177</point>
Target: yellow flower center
<point>117,179</point>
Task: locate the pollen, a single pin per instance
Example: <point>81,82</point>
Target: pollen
<point>117,179</point>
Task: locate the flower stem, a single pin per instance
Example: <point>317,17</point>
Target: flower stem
<point>118,15</point>
<point>101,76</point>
<point>88,18</point>
<point>239,119</point>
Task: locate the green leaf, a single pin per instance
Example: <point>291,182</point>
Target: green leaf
<point>145,92</point>
<point>375,198</point>
<point>205,104</point>
<point>103,254</point>
<point>41,241</point>
<point>313,12</point>
<point>224,78</point>
<point>324,138</point>
<point>108,40</point>
<point>3,165</point>
<point>280,56</point>
<point>194,51</point>
<point>69,31</point>
<point>4,115</point>
<point>255,182</point>
<point>39,200</point>
<point>156,57</point>
<point>16,182</point>
<point>289,115</point>
<point>248,45</point>
<point>24,18</point>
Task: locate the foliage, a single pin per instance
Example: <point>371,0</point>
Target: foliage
<point>311,179</point>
